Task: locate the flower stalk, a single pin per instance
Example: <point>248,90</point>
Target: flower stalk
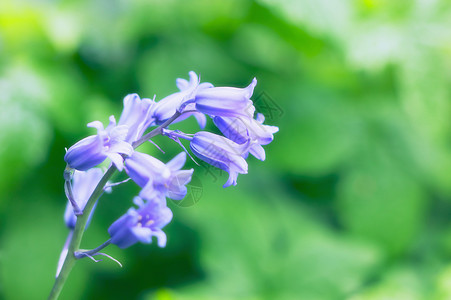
<point>80,225</point>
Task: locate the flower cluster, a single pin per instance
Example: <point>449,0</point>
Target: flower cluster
<point>232,112</point>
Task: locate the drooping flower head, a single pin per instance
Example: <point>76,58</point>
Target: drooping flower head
<point>136,115</point>
<point>226,101</point>
<point>93,150</point>
<point>159,179</point>
<point>240,130</point>
<point>140,225</point>
<point>232,111</point>
<point>222,153</point>
<point>83,184</point>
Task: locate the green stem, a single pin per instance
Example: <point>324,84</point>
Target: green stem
<point>78,234</point>
<point>82,219</point>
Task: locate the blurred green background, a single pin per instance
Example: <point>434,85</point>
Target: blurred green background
<point>353,201</point>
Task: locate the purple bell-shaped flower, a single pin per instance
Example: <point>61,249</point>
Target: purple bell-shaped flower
<point>93,150</point>
<point>140,225</point>
<point>226,101</point>
<point>222,153</point>
<point>240,130</point>
<point>159,179</point>
<point>136,115</point>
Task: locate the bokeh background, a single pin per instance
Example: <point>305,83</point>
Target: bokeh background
<point>353,201</point>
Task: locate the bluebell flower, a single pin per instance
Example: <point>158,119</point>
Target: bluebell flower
<point>136,115</point>
<point>93,150</point>
<point>157,178</point>
<point>140,225</point>
<point>226,101</point>
<point>167,107</point>
<point>222,153</point>
<point>240,130</point>
<point>83,184</point>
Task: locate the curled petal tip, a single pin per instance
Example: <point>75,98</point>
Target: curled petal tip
<point>112,120</point>
<point>250,87</point>
<point>96,124</point>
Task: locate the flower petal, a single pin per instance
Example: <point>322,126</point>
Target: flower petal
<point>177,162</point>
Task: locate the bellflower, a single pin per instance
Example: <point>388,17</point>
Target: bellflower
<point>93,150</point>
<point>159,179</point>
<point>232,111</point>
<point>136,115</point>
<point>222,153</point>
<point>83,184</point>
<point>226,101</point>
<point>240,130</point>
<point>166,107</point>
<point>140,225</point>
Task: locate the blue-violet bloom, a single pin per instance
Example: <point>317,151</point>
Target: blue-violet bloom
<point>240,130</point>
<point>136,115</point>
<point>222,153</point>
<point>93,150</point>
<point>226,101</point>
<point>159,179</point>
<point>140,225</point>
